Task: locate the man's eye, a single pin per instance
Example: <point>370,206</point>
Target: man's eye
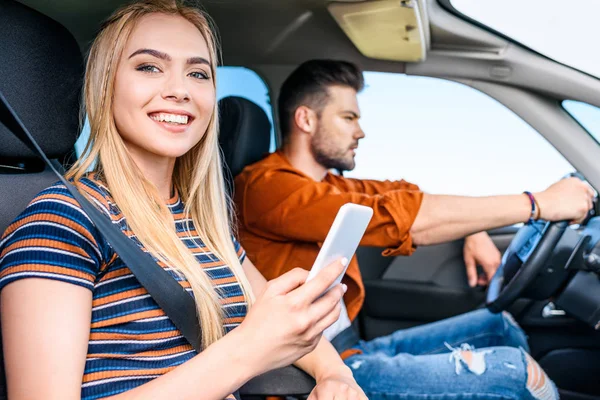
<point>199,75</point>
<point>148,68</point>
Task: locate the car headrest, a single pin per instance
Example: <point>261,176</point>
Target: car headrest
<point>245,132</point>
<point>41,75</point>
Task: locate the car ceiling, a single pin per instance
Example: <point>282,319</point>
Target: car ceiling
<point>253,32</point>
<point>263,33</point>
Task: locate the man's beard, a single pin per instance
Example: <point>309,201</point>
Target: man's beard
<point>328,154</point>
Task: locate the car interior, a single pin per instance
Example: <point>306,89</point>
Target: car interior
<point>550,275</point>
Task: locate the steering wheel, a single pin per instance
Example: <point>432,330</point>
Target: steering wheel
<point>524,259</point>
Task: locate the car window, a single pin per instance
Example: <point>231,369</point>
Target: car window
<point>541,26</point>
<point>449,139</point>
<point>231,81</point>
<point>587,115</point>
<point>243,82</point>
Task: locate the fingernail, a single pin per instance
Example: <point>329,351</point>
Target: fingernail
<point>344,261</point>
<point>344,287</point>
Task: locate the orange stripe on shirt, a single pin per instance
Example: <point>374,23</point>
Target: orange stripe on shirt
<point>53,244</point>
<point>56,196</point>
<point>128,318</point>
<point>213,264</point>
<point>236,320</point>
<point>96,376</point>
<point>153,353</point>
<point>186,284</point>
<point>126,271</point>
<point>119,296</point>
<point>95,194</point>
<point>234,299</point>
<point>180,216</point>
<point>48,217</point>
<point>115,274</point>
<point>223,281</point>
<point>137,336</point>
<point>47,268</point>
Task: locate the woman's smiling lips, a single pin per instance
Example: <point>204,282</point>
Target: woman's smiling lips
<point>175,121</point>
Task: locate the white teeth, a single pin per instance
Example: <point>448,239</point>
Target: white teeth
<point>172,118</point>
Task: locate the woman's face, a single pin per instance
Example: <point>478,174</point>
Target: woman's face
<point>164,95</point>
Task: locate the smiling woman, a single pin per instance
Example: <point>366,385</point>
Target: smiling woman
<point>155,91</point>
<point>150,98</point>
<point>138,154</point>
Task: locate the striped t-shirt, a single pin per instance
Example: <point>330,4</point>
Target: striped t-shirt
<point>131,339</point>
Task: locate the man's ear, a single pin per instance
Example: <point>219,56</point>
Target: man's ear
<point>305,119</point>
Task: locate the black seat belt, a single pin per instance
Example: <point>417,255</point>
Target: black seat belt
<point>177,304</point>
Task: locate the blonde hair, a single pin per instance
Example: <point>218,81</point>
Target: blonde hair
<point>197,174</point>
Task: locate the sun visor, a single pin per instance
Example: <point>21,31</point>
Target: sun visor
<point>384,29</point>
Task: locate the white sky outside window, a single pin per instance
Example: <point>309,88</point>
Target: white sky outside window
<point>449,139</point>
<point>565,31</point>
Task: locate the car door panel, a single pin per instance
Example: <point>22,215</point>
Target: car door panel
<point>428,286</point>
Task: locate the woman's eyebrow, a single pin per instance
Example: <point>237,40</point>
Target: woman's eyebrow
<point>166,57</point>
<point>154,53</point>
<point>198,60</point>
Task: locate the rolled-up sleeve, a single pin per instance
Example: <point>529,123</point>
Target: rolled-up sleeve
<point>283,205</point>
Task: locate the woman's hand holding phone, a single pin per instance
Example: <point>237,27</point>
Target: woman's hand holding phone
<point>286,320</point>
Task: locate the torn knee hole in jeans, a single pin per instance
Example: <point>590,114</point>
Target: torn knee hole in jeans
<point>538,383</point>
<point>466,357</point>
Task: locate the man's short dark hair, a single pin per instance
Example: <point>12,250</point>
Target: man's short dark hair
<point>308,85</point>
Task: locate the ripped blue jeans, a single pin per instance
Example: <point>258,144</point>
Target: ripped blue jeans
<point>426,362</point>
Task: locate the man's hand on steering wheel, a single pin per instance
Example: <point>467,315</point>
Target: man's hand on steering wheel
<point>569,199</point>
<point>479,249</point>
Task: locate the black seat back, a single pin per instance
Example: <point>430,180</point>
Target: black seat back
<point>244,134</point>
<point>41,70</point>
<point>245,137</point>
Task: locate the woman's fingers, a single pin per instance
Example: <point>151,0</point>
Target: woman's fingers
<point>316,287</point>
<point>328,320</point>
<point>326,303</point>
<point>287,282</point>
<point>326,310</point>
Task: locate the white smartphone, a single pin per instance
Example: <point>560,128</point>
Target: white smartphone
<point>343,238</point>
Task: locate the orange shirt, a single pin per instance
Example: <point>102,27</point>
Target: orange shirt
<point>284,216</point>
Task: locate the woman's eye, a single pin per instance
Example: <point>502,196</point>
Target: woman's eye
<point>198,75</point>
<point>148,68</point>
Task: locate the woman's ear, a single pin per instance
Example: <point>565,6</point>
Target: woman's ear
<point>305,120</point>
